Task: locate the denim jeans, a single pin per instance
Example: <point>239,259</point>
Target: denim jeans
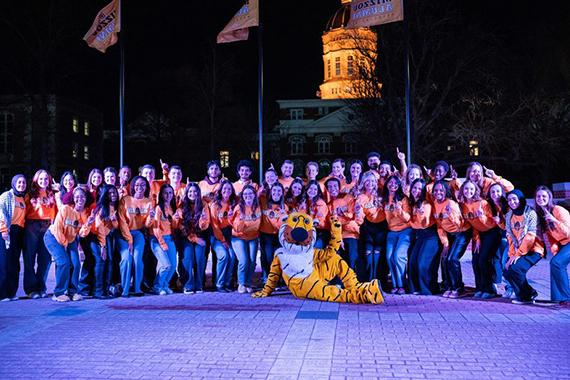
<point>111,272</point>
<point>559,287</point>
<point>397,245</point>
<point>194,261</point>
<point>246,253</point>
<point>483,266</point>
<point>11,262</point>
<point>424,262</point>
<point>127,262</point>
<point>35,250</point>
<point>166,262</point>
<point>92,270</point>
<point>452,263</point>
<point>503,254</point>
<point>516,274</point>
<point>226,259</point>
<point>269,243</point>
<point>373,238</point>
<point>66,265</point>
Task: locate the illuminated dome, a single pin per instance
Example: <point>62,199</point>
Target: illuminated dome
<point>340,18</point>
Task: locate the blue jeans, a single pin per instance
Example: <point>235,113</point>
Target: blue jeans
<point>35,250</point>
<point>483,266</point>
<point>226,258</point>
<point>424,262</point>
<point>452,263</point>
<point>373,238</point>
<point>127,262</point>
<point>503,255</point>
<point>559,287</point>
<point>111,273</point>
<point>92,270</point>
<point>66,265</point>
<point>166,262</point>
<point>269,243</point>
<point>516,274</point>
<point>397,245</point>
<point>246,253</point>
<point>194,262</point>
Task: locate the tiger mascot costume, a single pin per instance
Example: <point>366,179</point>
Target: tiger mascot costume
<point>307,271</point>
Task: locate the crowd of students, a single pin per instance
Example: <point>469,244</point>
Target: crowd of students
<point>406,227</point>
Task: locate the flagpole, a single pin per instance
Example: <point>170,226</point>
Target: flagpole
<point>260,92</point>
<point>408,91</point>
<point>121,88</point>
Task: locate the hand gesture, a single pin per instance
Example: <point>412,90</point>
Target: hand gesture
<point>548,215</point>
<point>452,172</point>
<point>201,242</point>
<point>497,219</point>
<point>163,165</point>
<point>401,155</point>
<point>489,172</point>
<point>187,181</point>
<point>151,213</point>
<point>91,218</point>
<point>511,261</point>
<point>113,216</point>
<point>427,170</point>
<point>55,186</point>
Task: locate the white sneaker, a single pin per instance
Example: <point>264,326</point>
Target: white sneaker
<point>162,292</point>
<point>249,289</point>
<point>241,289</point>
<point>6,299</point>
<point>188,291</point>
<point>76,297</point>
<point>61,298</point>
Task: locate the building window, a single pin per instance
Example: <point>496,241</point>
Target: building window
<point>254,155</point>
<point>75,124</point>
<point>323,110</point>
<point>350,65</point>
<point>350,144</point>
<point>75,151</point>
<point>297,144</point>
<point>337,66</point>
<point>7,122</point>
<point>86,128</point>
<point>224,158</point>
<point>328,69</point>
<point>296,113</point>
<point>473,148</point>
<point>85,152</point>
<point>324,143</point>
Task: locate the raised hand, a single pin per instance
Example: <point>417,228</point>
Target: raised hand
<point>427,170</point>
<point>452,172</point>
<point>401,155</point>
<point>489,172</point>
<point>163,165</point>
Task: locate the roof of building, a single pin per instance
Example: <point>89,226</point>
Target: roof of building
<point>340,18</point>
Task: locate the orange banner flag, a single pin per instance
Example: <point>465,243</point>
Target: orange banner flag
<point>364,13</point>
<point>238,27</point>
<point>107,24</point>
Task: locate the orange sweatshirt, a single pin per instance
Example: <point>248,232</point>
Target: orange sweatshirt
<point>220,219</point>
<point>134,214</point>
<point>245,225</point>
<point>203,222</point>
<point>398,214</point>
<point>319,211</point>
<point>18,215</point>
<point>449,219</point>
<point>422,217</point>
<point>102,227</point>
<point>209,189</point>
<point>486,184</point>
<point>372,208</point>
<point>349,214</point>
<point>479,215</point>
<point>558,233</point>
<point>272,216</point>
<point>529,242</point>
<point>67,226</point>
<point>286,182</point>
<point>40,208</point>
<point>239,185</point>
<point>164,223</point>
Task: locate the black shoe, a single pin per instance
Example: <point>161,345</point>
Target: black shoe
<point>101,297</point>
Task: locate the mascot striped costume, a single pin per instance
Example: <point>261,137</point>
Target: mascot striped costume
<point>307,271</point>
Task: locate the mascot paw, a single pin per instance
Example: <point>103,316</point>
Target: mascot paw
<point>259,295</point>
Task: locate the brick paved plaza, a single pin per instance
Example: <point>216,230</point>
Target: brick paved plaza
<point>230,336</point>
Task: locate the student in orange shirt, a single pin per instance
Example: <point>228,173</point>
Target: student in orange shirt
<point>244,171</point>
<point>311,171</point>
<point>373,162</point>
<point>554,223</point>
<point>454,234</point>
<point>374,228</point>
<point>12,218</point>
<point>273,212</point>
<point>295,196</point>
<point>136,214</point>
<point>61,242</point>
<point>245,222</point>
<point>286,174</point>
<point>318,209</point>
<point>424,259</point>
<point>399,236</point>
<point>270,178</point>
<point>486,237</point>
<point>149,172</point>
<point>94,181</point>
<point>107,230</point>
<point>483,177</point>
<point>125,175</point>
<point>525,247</point>
<point>337,171</point>
<point>110,176</point>
<point>194,224</point>
<point>64,189</point>
<point>221,210</point>
<point>353,179</point>
<point>412,173</point>
<point>41,209</point>
<point>210,185</point>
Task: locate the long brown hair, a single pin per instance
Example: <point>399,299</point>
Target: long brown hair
<point>35,188</point>
<point>539,210</point>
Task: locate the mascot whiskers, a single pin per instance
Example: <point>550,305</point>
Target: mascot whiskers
<point>307,271</point>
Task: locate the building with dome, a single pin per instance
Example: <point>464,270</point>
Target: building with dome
<point>320,129</point>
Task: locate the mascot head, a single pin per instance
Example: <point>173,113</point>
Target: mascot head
<point>297,234</point>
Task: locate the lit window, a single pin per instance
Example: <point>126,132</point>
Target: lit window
<point>449,148</point>
<point>86,128</point>
<point>328,69</point>
<point>224,158</point>
<point>350,65</point>
<point>75,126</point>
<point>7,121</point>
<point>85,152</point>
<point>473,148</point>
<point>337,66</point>
<point>75,151</point>
<point>254,156</point>
<point>296,114</point>
<point>297,144</point>
<point>324,144</point>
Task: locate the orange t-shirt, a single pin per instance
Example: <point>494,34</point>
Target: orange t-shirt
<point>372,208</point>
<point>448,217</point>
<point>558,232</point>
<point>134,214</point>
<point>209,189</point>
<point>18,215</point>
<point>67,225</point>
<point>397,214</point>
<point>422,217</point>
